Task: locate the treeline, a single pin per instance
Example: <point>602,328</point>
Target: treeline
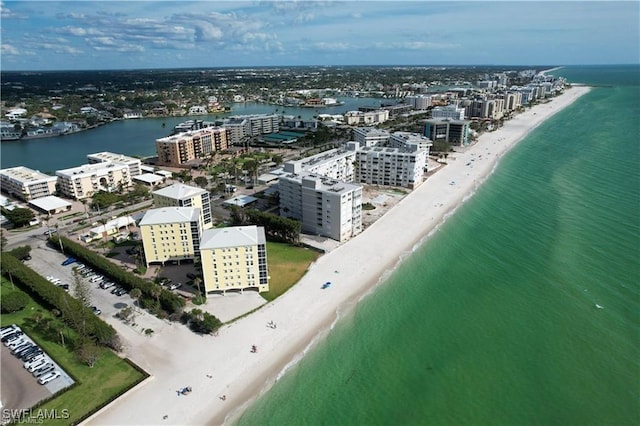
<point>276,228</point>
<point>71,310</point>
<point>158,300</point>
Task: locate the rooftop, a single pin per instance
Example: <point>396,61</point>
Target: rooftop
<point>25,174</point>
<point>170,215</point>
<point>234,236</point>
<point>179,191</point>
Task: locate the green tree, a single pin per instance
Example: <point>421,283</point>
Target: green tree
<point>88,352</point>
<point>19,216</point>
<point>201,181</point>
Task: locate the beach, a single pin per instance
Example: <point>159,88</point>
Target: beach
<point>224,365</point>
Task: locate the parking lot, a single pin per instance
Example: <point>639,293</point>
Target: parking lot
<point>48,262</point>
<point>20,389</point>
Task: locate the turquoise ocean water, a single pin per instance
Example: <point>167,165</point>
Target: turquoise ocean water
<point>495,321</point>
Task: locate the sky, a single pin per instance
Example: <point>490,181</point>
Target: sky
<point>93,35</point>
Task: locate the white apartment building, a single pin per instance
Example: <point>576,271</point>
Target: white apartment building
<point>84,181</point>
<point>171,234</point>
<point>408,139</point>
<point>134,164</point>
<point>419,102</point>
<point>335,163</point>
<point>366,117</point>
<point>325,206</point>
<point>371,136</point>
<point>234,259</point>
<point>449,111</point>
<point>26,184</point>
<point>389,166</point>
<point>181,195</point>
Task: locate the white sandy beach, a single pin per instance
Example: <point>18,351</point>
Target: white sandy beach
<point>224,365</point>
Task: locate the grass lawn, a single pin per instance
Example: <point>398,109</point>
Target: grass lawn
<point>287,264</point>
<point>109,377</point>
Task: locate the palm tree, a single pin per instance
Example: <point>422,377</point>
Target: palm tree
<point>135,294</point>
<point>197,281</point>
<point>155,291</point>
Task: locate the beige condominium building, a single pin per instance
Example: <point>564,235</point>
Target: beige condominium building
<point>234,259</point>
<point>171,234</point>
<point>26,184</point>
<point>325,206</point>
<point>84,181</point>
<point>184,147</point>
<point>110,157</point>
<point>180,195</point>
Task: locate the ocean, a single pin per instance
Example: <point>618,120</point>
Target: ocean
<point>522,309</point>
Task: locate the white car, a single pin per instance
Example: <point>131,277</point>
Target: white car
<point>38,359</point>
<point>9,329</point>
<point>41,362</point>
<point>49,377</point>
<point>15,343</point>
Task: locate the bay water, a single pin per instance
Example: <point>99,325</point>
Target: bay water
<point>136,137</point>
<point>522,309</point>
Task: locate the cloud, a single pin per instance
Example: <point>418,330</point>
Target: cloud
<point>7,49</point>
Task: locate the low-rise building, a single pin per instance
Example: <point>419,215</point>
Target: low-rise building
<point>171,234</point>
<point>234,259</point>
<point>181,195</point>
<point>26,184</point>
<point>84,181</point>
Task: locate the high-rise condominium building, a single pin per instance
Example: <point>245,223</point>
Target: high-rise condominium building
<point>325,206</point>
<point>184,147</point>
<point>234,259</point>
<point>181,195</point>
<point>171,234</point>
<point>403,167</point>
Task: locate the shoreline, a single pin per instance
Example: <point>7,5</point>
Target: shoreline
<point>224,365</point>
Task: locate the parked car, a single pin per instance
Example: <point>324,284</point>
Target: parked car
<point>96,310</point>
<point>36,362</point>
<point>106,284</point>
<point>21,340</point>
<point>31,355</point>
<point>49,377</point>
<point>120,292</point>
<point>46,368</point>
<point>9,329</point>
<point>11,337</point>
<point>50,232</point>
<point>192,276</point>
<point>33,366</point>
<point>27,257</point>
<point>64,286</point>
<point>35,350</point>
<point>115,290</point>
<point>23,347</point>
<point>69,261</point>
<point>175,286</point>
<point>97,278</point>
